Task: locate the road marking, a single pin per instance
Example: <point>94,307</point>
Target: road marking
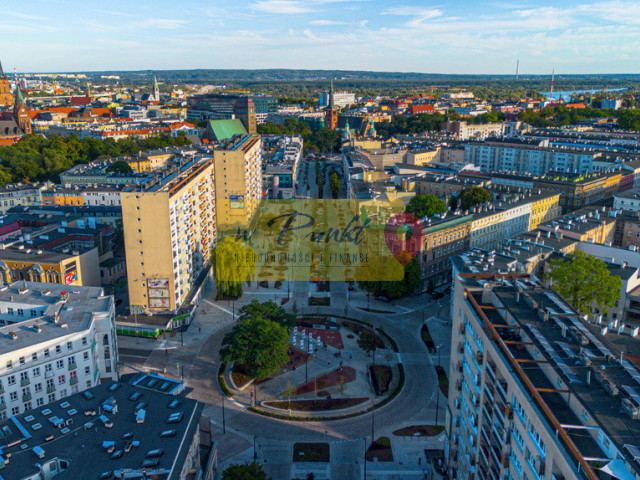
<point>219,307</point>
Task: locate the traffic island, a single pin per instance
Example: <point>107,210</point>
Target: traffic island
<point>380,451</point>
<point>311,452</point>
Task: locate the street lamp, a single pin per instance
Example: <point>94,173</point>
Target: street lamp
<point>439,348</point>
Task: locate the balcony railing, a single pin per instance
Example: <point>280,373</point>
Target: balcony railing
<point>51,388</point>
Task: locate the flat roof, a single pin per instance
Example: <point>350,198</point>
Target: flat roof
<point>80,441</point>
<point>73,306</point>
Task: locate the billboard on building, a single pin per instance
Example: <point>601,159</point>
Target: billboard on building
<point>236,201</point>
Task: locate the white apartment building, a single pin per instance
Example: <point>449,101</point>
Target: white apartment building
<point>527,158</point>
<point>105,197</point>
<point>629,200</point>
<point>535,392</point>
<point>340,99</point>
<point>20,195</point>
<point>55,340</point>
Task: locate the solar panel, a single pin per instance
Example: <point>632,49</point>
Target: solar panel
<point>633,394</point>
<point>634,451</point>
<point>573,378</point>
<point>568,351</point>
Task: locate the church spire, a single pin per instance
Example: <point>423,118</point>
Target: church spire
<point>1,71</point>
<point>19,98</point>
<point>156,89</point>
<point>331,101</point>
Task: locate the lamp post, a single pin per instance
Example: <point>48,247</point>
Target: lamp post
<point>439,347</point>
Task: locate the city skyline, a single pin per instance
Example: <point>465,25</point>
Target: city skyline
<point>574,37</point>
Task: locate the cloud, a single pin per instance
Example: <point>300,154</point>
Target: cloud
<point>161,23</point>
<point>281,7</point>
<point>323,23</point>
<point>419,14</point>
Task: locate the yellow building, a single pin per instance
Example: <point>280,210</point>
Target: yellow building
<point>238,167</point>
<point>543,209</point>
<point>149,161</point>
<point>169,232</point>
<point>63,197</point>
<point>423,157</point>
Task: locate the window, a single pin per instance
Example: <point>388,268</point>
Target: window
<point>13,396</point>
<point>48,368</point>
<point>105,339</point>
<point>85,356</point>
<point>51,397</point>
<point>9,365</point>
<point>72,359</point>
<point>10,311</point>
<point>20,312</point>
<point>84,340</point>
<point>38,387</point>
<point>36,371</point>
<point>58,349</point>
<point>73,374</point>
<point>46,353</point>
<point>60,364</point>
<point>11,380</point>
<point>33,313</point>
<point>24,376</point>
<point>87,370</point>
<point>34,356</point>
<point>50,383</point>
<point>39,402</point>
<point>69,345</point>
<point>15,411</point>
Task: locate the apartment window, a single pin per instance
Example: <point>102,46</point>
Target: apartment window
<point>9,364</point>
<point>88,383</point>
<point>20,312</point>
<point>34,356</point>
<point>24,376</point>
<point>73,374</point>
<point>58,349</point>
<point>13,396</point>
<point>105,339</point>
<point>36,371</point>
<point>107,353</point>
<point>85,355</point>
<point>60,364</point>
<point>10,311</point>
<point>87,370</point>
<point>46,353</point>
<point>39,402</point>
<point>51,397</point>
<point>48,368</point>
<point>21,360</point>
<point>50,383</point>
<point>11,379</point>
<point>69,345</point>
<point>15,411</point>
<point>63,393</point>
<point>38,387</point>
<point>33,313</point>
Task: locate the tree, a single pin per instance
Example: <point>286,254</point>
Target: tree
<point>120,167</point>
<point>247,471</point>
<point>290,391</point>
<point>453,203</point>
<point>584,280</point>
<point>367,341</point>
<point>268,310</point>
<point>395,289</point>
<point>231,267</point>
<point>425,206</point>
<point>473,196</point>
<point>258,344</point>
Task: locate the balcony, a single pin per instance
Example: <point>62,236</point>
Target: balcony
<point>51,388</point>
<point>73,366</point>
<point>24,382</point>
<point>26,397</point>
<point>73,381</point>
<point>3,406</point>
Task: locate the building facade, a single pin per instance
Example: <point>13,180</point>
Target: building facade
<point>56,340</point>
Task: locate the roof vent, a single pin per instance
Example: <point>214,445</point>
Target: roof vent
<point>39,451</point>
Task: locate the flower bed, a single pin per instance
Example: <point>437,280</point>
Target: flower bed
<point>319,301</point>
<point>317,405</point>
<point>426,338</point>
<point>311,452</point>
<point>419,431</point>
<point>443,381</point>
<point>381,450</point>
<point>327,380</point>
<point>380,378</point>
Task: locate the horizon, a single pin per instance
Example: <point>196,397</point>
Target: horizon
<point>485,38</point>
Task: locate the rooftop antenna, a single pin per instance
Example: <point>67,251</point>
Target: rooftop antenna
<point>553,74</point>
<point>517,68</point>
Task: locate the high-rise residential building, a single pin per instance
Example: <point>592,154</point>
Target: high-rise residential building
<point>169,231</point>
<point>55,340</point>
<point>238,180</point>
<point>535,391</point>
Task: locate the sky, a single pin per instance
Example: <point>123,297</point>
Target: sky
<point>463,36</point>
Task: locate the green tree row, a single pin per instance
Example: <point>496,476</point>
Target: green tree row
<point>38,158</point>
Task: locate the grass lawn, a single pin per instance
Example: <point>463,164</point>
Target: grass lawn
<point>317,405</point>
<point>381,449</point>
<point>443,381</point>
<point>426,338</point>
<point>381,378</point>
<point>311,452</point>
<point>319,301</point>
<point>419,431</point>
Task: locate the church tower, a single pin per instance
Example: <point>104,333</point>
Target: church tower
<point>331,114</point>
<point>20,112</point>
<point>156,90</point>
<point>6,99</point>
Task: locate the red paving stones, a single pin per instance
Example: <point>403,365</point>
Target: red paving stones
<point>330,379</point>
<point>330,337</point>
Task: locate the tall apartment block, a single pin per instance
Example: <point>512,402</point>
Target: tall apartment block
<point>169,231</point>
<point>535,391</point>
<point>238,182</point>
<point>55,340</point>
